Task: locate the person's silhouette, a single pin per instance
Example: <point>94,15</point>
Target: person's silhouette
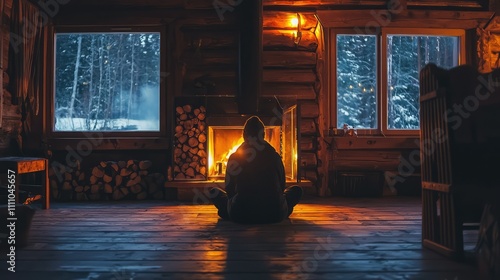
<point>255,190</point>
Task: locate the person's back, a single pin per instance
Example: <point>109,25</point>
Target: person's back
<point>255,182</point>
<point>258,184</point>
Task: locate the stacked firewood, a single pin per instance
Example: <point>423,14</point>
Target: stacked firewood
<point>109,180</point>
<point>120,180</point>
<point>69,183</point>
<point>190,157</point>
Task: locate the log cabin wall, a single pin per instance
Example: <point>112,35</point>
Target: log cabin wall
<point>488,46</point>
<point>292,69</point>
<point>202,69</point>
<point>349,163</point>
<point>10,119</point>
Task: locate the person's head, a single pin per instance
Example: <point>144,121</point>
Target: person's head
<point>254,129</point>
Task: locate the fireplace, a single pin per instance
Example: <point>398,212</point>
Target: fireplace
<point>203,145</point>
<point>224,140</point>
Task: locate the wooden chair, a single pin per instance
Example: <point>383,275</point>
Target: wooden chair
<point>460,152</point>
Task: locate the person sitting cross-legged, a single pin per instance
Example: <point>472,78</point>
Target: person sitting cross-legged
<point>255,182</point>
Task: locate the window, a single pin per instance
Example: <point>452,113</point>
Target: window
<point>107,81</point>
<point>377,84</point>
<point>357,80</point>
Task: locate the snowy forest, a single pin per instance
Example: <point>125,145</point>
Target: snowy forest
<point>107,81</point>
<point>357,76</point>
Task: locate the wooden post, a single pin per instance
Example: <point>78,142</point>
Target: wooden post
<point>250,54</point>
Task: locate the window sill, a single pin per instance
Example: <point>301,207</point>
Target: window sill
<point>374,142</point>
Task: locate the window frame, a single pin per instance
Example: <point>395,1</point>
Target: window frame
<point>52,133</point>
<point>333,78</point>
<point>460,33</point>
<point>382,67</point>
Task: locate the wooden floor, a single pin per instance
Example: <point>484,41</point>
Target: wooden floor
<point>325,238</point>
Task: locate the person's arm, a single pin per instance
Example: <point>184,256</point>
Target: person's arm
<point>232,170</point>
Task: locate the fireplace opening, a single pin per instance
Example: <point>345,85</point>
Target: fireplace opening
<point>203,142</point>
<point>223,140</point>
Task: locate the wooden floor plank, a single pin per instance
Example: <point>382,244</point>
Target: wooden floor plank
<point>265,263</point>
<point>335,238</point>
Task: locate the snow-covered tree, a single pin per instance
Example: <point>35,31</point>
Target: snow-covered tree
<point>107,81</point>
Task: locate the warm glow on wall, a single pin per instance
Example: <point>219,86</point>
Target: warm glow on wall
<point>295,22</point>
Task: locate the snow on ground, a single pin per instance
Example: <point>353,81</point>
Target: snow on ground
<point>79,124</point>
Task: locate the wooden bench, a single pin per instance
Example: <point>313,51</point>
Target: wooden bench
<point>26,165</point>
<point>460,152</point>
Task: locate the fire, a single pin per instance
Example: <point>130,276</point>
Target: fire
<point>233,149</point>
<point>221,164</point>
<point>223,141</point>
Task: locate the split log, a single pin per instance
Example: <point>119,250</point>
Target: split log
<point>118,195</point>
<point>145,164</point>
<point>190,133</point>
<point>142,196</point>
<point>98,172</point>
<point>124,172</point>
<point>137,188</point>
<point>69,185</point>
<point>108,188</point>
<point>202,138</point>
<point>95,189</point>
<point>107,179</point>
<point>118,180</point>
<point>193,142</point>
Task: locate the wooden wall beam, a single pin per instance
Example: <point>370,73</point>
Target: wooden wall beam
<point>463,4</point>
<point>413,18</point>
<point>283,40</point>
<point>288,90</point>
<point>304,76</point>
<point>280,20</point>
<point>449,4</point>
<point>495,6</point>
<point>127,17</point>
<point>316,3</point>
<point>289,59</point>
